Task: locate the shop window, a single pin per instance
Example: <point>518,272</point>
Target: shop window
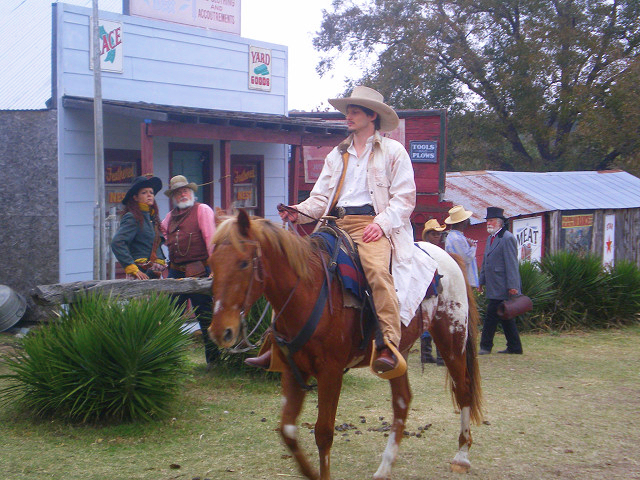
<point>247,183</point>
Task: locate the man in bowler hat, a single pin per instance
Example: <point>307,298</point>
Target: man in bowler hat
<point>501,278</point>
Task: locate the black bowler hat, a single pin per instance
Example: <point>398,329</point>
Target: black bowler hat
<point>495,212</point>
<point>142,182</point>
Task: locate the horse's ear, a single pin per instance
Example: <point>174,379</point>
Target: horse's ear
<point>243,222</point>
<point>220,216</point>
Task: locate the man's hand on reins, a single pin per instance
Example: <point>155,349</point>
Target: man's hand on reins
<point>287,214</point>
<point>371,233</point>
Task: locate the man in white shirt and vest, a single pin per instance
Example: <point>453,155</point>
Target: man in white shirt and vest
<point>367,182</point>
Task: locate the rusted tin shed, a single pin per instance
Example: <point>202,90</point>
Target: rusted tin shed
<point>584,211</point>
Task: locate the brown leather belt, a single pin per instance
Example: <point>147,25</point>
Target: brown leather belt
<point>341,212</point>
<point>182,267</point>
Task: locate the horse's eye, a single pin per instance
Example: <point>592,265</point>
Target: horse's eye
<point>243,264</point>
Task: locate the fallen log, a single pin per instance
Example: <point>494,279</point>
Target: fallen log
<point>60,293</point>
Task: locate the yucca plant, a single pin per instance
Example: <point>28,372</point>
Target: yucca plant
<point>622,293</point>
<point>538,286</point>
<point>102,359</point>
<point>580,282</point>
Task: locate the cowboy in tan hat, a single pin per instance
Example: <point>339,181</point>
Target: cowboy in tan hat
<point>457,243</point>
<point>189,231</point>
<point>367,183</point>
<point>432,231</point>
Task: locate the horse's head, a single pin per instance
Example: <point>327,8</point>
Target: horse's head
<point>238,274</point>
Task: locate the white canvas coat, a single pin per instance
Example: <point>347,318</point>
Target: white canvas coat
<point>392,187</point>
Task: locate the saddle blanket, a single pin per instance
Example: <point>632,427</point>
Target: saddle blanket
<point>352,278</point>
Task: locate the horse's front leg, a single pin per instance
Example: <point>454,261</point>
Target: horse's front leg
<point>329,386</point>
<point>400,398</point>
<point>291,407</point>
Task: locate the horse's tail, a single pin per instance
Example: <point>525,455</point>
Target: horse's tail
<point>473,370</point>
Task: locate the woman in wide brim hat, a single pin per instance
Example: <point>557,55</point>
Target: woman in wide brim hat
<point>139,231</point>
<point>367,97</point>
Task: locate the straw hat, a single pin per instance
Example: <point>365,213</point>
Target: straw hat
<point>457,214</point>
<point>369,98</point>
<point>177,182</point>
<point>142,182</point>
<point>432,225</point>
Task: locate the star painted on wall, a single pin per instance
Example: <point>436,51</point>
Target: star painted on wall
<point>609,243</point>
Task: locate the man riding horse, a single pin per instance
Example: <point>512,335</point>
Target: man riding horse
<point>367,182</point>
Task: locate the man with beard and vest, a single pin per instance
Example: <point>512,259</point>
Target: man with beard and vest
<point>189,229</point>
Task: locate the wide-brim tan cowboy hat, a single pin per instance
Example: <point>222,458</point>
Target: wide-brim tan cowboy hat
<point>432,224</point>
<point>457,214</point>
<point>142,182</point>
<point>178,182</point>
<point>369,98</point>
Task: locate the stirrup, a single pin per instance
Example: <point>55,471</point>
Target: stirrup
<point>401,367</point>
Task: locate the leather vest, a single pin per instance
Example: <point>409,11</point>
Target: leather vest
<point>184,238</point>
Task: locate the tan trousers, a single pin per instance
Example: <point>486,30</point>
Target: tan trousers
<point>376,262</point>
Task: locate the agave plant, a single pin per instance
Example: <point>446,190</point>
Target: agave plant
<point>622,293</point>
<point>538,286</point>
<point>580,282</point>
<point>102,359</point>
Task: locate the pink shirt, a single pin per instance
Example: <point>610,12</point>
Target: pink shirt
<point>206,221</point>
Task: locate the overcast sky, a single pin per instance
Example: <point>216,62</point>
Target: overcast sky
<point>284,22</point>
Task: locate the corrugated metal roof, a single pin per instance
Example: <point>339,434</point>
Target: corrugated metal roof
<point>525,193</point>
<point>25,55</point>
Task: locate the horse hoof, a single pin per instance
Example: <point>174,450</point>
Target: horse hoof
<point>457,468</point>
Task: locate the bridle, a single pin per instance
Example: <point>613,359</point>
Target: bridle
<point>258,275</point>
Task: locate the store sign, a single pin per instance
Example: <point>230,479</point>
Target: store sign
<point>575,235</point>
<point>119,172</point>
<point>609,247</point>
<point>111,45</point>
<point>221,15</point>
<point>423,151</point>
<point>528,233</point>
<point>260,66</point>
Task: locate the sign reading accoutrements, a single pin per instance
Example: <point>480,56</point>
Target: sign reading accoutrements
<point>423,151</point>
<point>221,15</point>
<point>260,65</point>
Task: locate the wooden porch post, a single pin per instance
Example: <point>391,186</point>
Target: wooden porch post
<point>294,173</point>
<point>225,174</point>
<point>146,151</point>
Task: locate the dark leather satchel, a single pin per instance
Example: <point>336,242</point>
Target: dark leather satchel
<point>516,305</point>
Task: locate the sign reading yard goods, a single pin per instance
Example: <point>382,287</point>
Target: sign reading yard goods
<point>259,68</point>
<point>222,15</point>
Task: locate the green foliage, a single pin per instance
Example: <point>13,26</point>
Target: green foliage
<point>554,79</point>
<point>622,295</point>
<point>571,291</point>
<point>102,359</point>
<point>538,286</point>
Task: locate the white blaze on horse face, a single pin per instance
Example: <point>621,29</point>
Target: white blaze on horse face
<point>289,431</point>
<point>217,307</point>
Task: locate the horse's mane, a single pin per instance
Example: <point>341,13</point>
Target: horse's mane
<point>301,253</point>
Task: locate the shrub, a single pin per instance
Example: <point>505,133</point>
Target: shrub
<point>538,286</point>
<point>102,359</point>
<point>622,293</point>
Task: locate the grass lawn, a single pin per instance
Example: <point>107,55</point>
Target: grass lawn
<point>568,409</point>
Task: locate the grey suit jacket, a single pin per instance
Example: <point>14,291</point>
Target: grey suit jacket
<point>500,272</point>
